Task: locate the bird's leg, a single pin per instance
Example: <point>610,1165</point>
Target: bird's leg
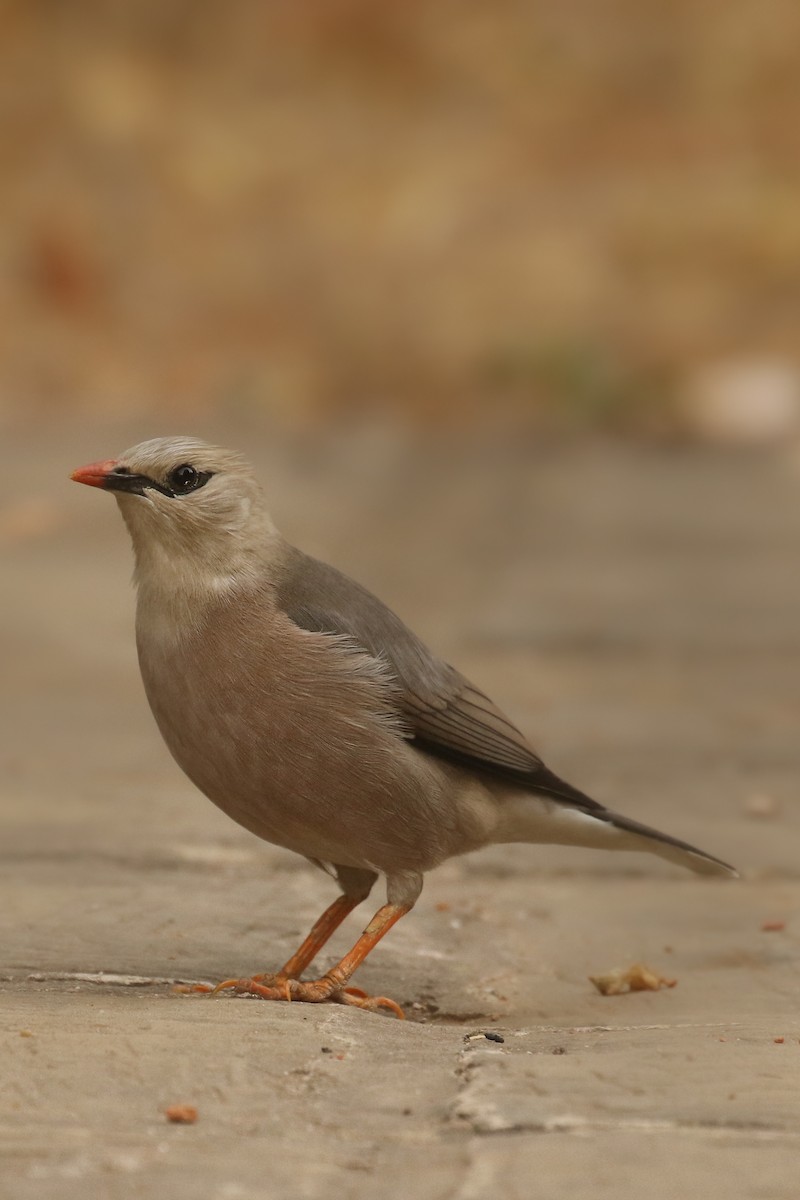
<point>332,986</point>
<point>321,931</point>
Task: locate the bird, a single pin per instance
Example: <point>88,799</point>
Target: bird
<point>311,714</point>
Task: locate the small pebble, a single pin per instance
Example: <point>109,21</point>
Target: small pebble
<point>181,1114</point>
<point>494,1037</point>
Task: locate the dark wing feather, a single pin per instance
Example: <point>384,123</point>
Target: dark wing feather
<point>444,714</point>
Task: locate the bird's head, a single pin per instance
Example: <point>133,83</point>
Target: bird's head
<point>195,512</point>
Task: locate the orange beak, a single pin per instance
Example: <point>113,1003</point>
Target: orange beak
<point>95,474</point>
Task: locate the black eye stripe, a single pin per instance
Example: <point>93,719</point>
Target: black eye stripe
<point>181,481</point>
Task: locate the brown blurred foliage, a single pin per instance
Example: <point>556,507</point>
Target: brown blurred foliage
<point>319,205</point>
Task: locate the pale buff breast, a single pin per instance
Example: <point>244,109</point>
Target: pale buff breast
<point>295,736</point>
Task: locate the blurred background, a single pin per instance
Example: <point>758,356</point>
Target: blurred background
<point>548,215</point>
<point>501,299</point>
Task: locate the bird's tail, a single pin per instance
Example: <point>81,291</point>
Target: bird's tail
<point>531,818</point>
<point>642,837</point>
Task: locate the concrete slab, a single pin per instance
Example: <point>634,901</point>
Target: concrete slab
<point>637,612</point>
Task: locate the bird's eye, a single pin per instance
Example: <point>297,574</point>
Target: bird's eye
<point>186,478</point>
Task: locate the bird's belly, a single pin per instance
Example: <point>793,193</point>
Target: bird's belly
<point>283,795</point>
<point>301,761</point>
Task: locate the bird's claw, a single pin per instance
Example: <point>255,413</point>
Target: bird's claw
<point>241,986</point>
<point>281,987</point>
<point>268,987</point>
<point>190,989</point>
<point>360,999</point>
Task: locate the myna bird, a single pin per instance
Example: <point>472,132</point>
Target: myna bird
<point>306,710</point>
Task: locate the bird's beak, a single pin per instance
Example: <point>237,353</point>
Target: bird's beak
<point>109,474</point>
<point>95,474</point>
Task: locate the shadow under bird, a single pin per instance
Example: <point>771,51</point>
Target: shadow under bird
<point>309,713</point>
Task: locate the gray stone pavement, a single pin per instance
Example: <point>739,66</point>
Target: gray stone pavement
<point>637,611</point>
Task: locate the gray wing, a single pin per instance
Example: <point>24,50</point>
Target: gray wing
<point>443,712</point>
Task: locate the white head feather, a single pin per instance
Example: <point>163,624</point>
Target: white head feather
<point>205,541</point>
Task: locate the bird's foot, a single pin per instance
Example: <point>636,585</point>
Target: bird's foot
<point>315,991</point>
<point>280,982</point>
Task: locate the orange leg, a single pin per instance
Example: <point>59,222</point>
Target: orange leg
<point>332,986</point>
<point>321,931</point>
